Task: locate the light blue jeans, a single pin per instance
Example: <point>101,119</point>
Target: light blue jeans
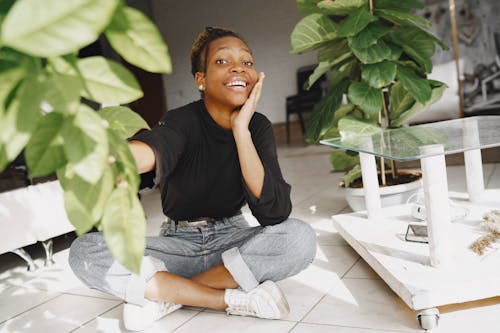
<point>251,254</point>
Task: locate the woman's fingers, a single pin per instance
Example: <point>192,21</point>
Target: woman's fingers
<point>256,91</point>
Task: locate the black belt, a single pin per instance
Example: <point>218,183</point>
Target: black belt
<point>198,222</point>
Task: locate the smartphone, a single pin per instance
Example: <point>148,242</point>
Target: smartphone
<point>417,233</point>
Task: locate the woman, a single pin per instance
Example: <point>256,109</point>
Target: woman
<point>211,157</point>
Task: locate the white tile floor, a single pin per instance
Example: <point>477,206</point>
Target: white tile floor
<point>337,293</point>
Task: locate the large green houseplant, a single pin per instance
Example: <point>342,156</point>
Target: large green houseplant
<point>42,82</point>
<point>377,55</point>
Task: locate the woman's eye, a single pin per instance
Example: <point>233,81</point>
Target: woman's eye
<point>220,61</point>
<point>248,63</point>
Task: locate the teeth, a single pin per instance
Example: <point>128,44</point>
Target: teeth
<point>236,84</point>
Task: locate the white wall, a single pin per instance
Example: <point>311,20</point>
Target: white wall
<point>266,25</point>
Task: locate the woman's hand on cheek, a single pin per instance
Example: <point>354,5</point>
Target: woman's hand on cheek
<point>240,119</point>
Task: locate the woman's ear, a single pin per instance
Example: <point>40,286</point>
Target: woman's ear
<point>199,78</point>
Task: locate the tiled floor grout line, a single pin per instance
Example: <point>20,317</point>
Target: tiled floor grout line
<point>187,321</point>
<point>363,328</point>
<point>97,316</point>
<point>98,297</point>
<point>33,307</point>
<point>293,327</point>
<point>349,269</point>
<point>325,294</point>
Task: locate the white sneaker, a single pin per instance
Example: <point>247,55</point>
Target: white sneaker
<point>265,301</point>
<point>138,318</point>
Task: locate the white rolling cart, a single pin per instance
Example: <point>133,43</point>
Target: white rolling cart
<point>444,271</point>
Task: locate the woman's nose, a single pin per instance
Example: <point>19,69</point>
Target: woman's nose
<point>238,68</point>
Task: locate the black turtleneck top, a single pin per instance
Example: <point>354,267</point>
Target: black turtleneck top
<point>199,171</point>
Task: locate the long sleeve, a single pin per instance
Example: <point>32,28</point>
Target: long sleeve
<point>168,143</point>
<point>274,205</point>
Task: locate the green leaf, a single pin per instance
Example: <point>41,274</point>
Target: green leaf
<point>335,52</point>
<point>355,22</point>
<point>308,6</point>
<point>321,69</point>
<point>85,202</point>
<point>400,101</point>
<point>418,87</point>
<point>353,127</point>
<point>86,145</point>
<point>396,51</point>
<point>405,5</point>
<point>123,120</point>
<point>341,161</point>
<point>125,165</point>
<point>342,111</point>
<point>20,119</point>
<point>312,32</point>
<point>62,93</point>
<point>322,117</point>
<point>410,64</point>
<point>5,7</point>
<point>138,41</point>
<point>349,70</point>
<point>369,35</point>
<point>105,81</point>
<point>10,75</point>
<point>44,152</point>
<point>400,18</point>
<point>436,84</point>
<point>380,74</point>
<point>352,175</point>
<point>124,227</point>
<point>418,107</point>
<point>369,99</point>
<point>51,27</point>
<point>434,38</point>
<point>372,54</point>
<point>417,45</point>
<point>340,7</point>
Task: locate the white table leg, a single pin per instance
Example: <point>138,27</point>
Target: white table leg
<point>370,185</point>
<point>473,163</point>
<point>437,205</point>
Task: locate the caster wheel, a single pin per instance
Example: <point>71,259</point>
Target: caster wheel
<point>428,318</point>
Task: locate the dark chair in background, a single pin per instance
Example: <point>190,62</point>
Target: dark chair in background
<point>304,100</point>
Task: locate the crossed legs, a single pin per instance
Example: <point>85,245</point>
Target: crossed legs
<point>204,290</point>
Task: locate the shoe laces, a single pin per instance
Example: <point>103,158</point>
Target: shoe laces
<point>163,307</point>
<point>241,306</point>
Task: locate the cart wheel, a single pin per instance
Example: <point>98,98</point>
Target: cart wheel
<point>428,318</point>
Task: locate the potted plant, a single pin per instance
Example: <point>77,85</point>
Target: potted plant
<point>377,55</point>
<point>42,112</point>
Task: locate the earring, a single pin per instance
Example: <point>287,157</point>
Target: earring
<point>200,87</point>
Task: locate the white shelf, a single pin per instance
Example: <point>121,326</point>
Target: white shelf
<point>405,266</point>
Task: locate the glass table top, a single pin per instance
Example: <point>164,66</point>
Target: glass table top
<point>408,143</point>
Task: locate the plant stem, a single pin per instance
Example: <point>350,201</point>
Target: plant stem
<point>371,7</point>
<point>382,162</point>
<point>387,123</point>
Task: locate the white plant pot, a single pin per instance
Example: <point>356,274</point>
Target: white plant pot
<point>389,195</point>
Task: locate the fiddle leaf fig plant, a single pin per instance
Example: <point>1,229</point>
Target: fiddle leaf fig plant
<point>377,55</point>
<point>43,115</point>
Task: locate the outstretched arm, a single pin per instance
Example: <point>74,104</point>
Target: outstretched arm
<point>143,155</point>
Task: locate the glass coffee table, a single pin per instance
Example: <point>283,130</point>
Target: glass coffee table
<point>444,271</point>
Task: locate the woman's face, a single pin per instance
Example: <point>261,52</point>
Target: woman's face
<point>230,75</point>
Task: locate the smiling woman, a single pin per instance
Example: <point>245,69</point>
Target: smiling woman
<point>211,157</point>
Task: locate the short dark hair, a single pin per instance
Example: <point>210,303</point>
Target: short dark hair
<point>202,43</point>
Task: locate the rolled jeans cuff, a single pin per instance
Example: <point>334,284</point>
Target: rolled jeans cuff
<point>234,263</point>
<point>137,284</point>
